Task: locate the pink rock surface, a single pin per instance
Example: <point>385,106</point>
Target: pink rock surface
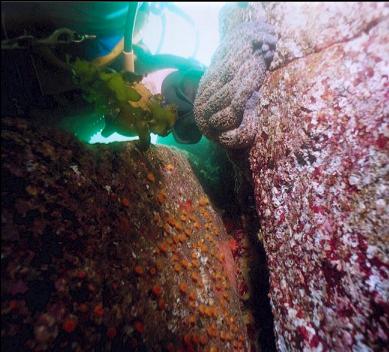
<point>320,167</point>
<point>307,27</point>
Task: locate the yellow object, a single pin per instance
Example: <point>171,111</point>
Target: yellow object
<point>128,106</point>
<point>129,59</point>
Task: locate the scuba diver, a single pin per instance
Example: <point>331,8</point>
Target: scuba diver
<point>107,34</point>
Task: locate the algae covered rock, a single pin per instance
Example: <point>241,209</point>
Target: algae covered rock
<point>307,27</point>
<point>319,164</point>
<point>107,248</point>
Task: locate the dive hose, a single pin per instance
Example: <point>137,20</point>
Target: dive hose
<point>128,52</point>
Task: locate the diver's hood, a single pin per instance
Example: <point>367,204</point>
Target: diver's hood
<point>180,88</point>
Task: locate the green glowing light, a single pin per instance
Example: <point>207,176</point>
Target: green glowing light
<point>116,137</point>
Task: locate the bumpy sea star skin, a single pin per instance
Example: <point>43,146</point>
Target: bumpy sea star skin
<point>244,135</point>
<point>237,71</point>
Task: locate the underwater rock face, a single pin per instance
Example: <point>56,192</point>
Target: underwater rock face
<point>319,163</point>
<point>227,94</point>
<point>107,248</point>
<point>307,27</point>
<point>320,167</point>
